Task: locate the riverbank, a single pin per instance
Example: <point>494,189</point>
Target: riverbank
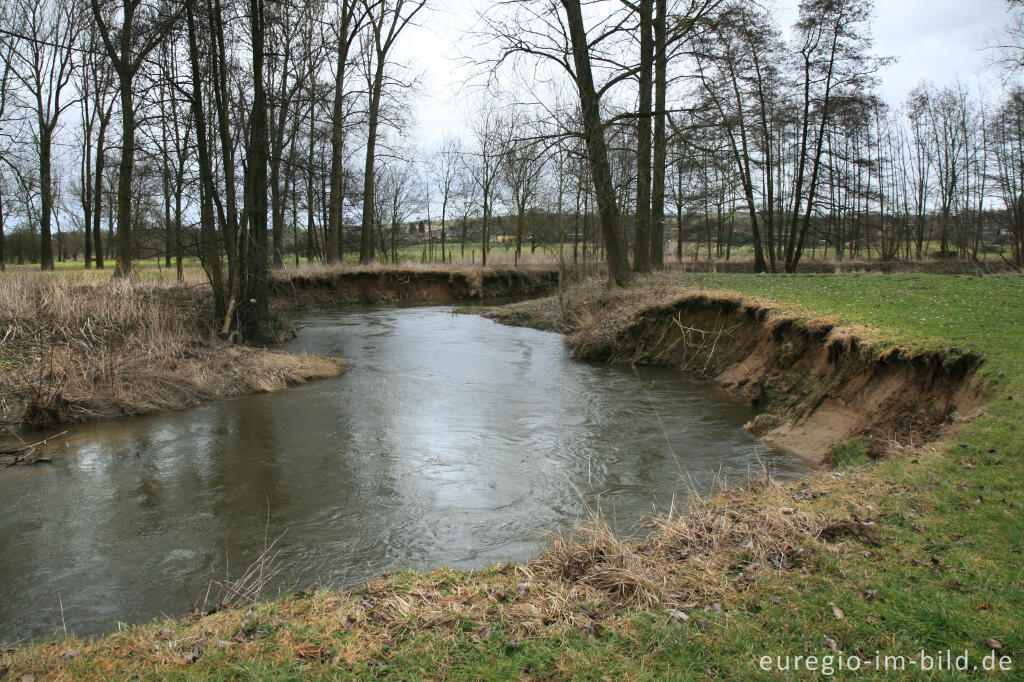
<point>83,349</point>
<point>917,551</point>
<point>80,346</point>
<point>382,284</point>
<point>819,384</point>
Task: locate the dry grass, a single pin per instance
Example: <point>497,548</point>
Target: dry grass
<point>690,559</point>
<point>75,349</point>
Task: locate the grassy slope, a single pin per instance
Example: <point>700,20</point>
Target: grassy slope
<point>950,573</point>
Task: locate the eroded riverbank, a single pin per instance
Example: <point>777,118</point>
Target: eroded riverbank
<point>817,384</point>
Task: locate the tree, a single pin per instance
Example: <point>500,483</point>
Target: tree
<point>484,164</point>
<point>642,235</point>
<point>660,157</point>
<point>597,150</point>
<point>1008,150</point>
<point>142,28</point>
<point>554,34</point>
<point>521,165</point>
<point>386,19</point>
<point>42,61</point>
<point>348,24</point>
<point>254,321</point>
<point>833,40</point>
<point>6,97</point>
<point>445,165</point>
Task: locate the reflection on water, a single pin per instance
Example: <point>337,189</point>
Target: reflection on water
<point>451,440</point>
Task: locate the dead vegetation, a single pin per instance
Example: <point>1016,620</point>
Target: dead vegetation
<point>74,350</point>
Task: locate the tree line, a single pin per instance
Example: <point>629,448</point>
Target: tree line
<point>247,131</point>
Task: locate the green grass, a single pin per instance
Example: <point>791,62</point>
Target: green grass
<point>850,454</point>
<point>949,575</point>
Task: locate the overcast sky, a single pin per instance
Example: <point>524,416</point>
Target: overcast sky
<point>935,39</point>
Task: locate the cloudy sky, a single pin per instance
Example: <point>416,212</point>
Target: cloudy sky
<point>936,39</point>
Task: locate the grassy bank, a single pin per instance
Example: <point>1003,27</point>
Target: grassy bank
<point>82,348</point>
<point>917,551</point>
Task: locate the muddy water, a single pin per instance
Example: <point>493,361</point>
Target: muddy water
<point>451,440</point>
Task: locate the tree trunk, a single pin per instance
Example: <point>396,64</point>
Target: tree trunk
<point>123,238</point>
<point>337,140</point>
<point>660,116</point>
<point>46,196</point>
<point>97,225</point>
<point>3,245</point>
<point>254,321</point>
<point>209,253</point>
<point>366,236</point>
<point>86,184</point>
<point>597,150</point>
<point>642,234</point>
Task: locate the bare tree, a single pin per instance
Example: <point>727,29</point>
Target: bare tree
<point>386,19</point>
<point>43,63</point>
<point>445,165</point>
<point>597,151</point>
<point>521,165</point>
<point>142,28</point>
<point>484,164</point>
<point>348,24</point>
<point>7,48</point>
<point>834,38</point>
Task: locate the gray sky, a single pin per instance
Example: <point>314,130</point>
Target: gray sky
<point>935,39</point>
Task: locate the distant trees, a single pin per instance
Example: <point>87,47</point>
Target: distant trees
<point>40,59</point>
<point>1007,142</point>
<point>142,28</point>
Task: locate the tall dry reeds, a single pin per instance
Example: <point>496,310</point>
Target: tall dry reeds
<point>74,348</point>
<point>79,348</point>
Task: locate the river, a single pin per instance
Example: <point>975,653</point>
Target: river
<point>451,440</point>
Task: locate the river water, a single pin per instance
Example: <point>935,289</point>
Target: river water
<point>451,440</point>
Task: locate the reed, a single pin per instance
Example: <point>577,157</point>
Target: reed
<point>80,348</point>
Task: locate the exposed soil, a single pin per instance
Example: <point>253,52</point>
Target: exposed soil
<point>384,285</point>
<point>819,385</point>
